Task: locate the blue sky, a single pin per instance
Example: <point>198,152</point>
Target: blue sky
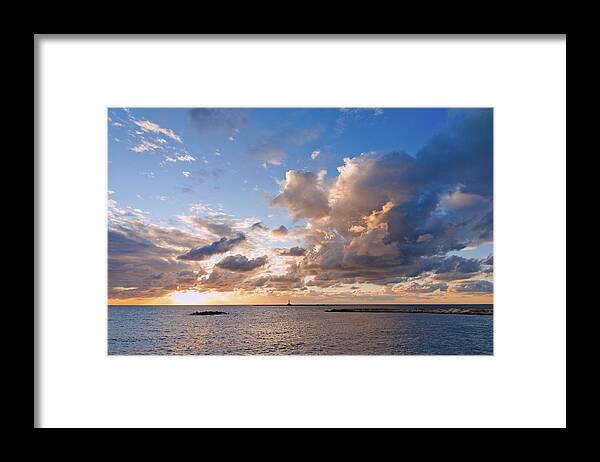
<point>237,167</point>
<point>242,181</point>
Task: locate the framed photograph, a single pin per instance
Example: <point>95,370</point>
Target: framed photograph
<point>300,231</point>
<point>296,222</point>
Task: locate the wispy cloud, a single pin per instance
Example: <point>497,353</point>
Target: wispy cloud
<point>272,150</point>
<point>227,121</point>
<point>144,146</point>
<point>349,115</point>
<point>186,158</point>
<point>149,126</point>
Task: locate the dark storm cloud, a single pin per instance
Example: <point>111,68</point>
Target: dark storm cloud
<point>241,263</point>
<point>221,246</point>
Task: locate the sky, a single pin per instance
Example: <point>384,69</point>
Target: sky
<point>324,205</point>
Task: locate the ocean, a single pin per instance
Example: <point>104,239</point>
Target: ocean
<point>300,330</point>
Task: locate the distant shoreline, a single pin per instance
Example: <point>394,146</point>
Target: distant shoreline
<point>461,309</point>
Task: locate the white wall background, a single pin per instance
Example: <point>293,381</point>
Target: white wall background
<point>523,384</point>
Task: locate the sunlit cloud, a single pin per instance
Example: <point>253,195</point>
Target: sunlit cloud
<point>145,146</point>
<point>149,126</point>
<point>186,158</point>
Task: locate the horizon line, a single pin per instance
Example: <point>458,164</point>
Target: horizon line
<point>297,304</point>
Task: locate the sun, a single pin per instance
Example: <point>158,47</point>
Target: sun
<point>190,297</point>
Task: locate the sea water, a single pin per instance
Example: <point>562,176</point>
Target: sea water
<point>294,330</point>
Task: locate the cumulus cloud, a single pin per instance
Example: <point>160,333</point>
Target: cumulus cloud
<point>314,154</point>
<point>241,263</point>
<point>303,194</point>
<point>221,246</point>
<point>395,215</point>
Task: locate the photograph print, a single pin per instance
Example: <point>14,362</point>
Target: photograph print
<point>300,231</point>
